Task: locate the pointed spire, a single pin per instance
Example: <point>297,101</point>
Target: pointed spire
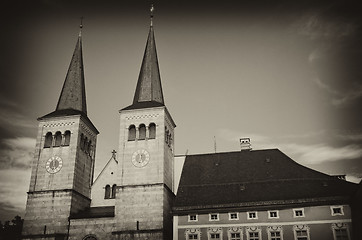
<point>73,91</point>
<point>149,88</point>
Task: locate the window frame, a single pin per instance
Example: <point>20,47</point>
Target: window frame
<point>295,210</point>
<point>274,229</point>
<point>217,217</point>
<point>337,214</point>
<point>344,226</point>
<point>248,215</point>
<point>272,211</point>
<point>301,228</point>
<point>253,230</point>
<point>233,219</point>
<point>191,220</point>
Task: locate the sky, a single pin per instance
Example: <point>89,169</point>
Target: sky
<point>284,73</point>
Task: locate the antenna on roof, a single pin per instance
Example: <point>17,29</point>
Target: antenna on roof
<point>215,144</point>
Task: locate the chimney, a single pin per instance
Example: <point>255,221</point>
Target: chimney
<point>245,144</point>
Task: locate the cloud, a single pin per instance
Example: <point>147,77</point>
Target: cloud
<point>321,153</point>
<point>340,98</point>
<point>17,152</point>
<point>14,183</point>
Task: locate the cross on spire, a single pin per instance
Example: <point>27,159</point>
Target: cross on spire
<point>114,154</point>
<point>152,9</point>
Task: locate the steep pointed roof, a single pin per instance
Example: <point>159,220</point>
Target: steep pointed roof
<point>72,95</point>
<point>149,89</point>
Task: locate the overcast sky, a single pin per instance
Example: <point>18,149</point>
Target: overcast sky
<point>284,73</point>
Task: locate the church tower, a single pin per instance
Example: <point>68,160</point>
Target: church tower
<point>63,164</point>
<point>145,169</point>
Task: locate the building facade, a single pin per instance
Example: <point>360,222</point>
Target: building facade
<point>139,194</point>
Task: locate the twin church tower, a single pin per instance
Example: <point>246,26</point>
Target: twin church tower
<point>64,160</point>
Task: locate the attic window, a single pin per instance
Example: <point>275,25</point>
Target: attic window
<point>233,216</point>
<point>337,210</point>
<point>214,217</point>
<point>298,212</point>
<point>192,218</point>
<point>273,214</point>
<point>252,215</point>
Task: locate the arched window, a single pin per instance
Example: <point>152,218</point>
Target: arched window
<point>81,141</point>
<point>66,138</point>
<point>166,136</point>
<point>132,133</point>
<point>142,132</point>
<point>58,139</point>
<point>107,193</point>
<point>85,148</point>
<point>89,144</point>
<point>48,140</point>
<point>90,237</point>
<point>152,130</point>
<point>114,189</point>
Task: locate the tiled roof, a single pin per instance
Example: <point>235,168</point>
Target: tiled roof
<point>73,91</point>
<point>94,212</point>
<point>253,178</point>
<point>149,86</point>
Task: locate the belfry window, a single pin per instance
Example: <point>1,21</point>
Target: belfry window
<point>66,138</point>
<point>142,132</point>
<point>132,133</point>
<point>152,131</point>
<point>81,141</point>
<point>107,192</point>
<point>114,188</point>
<point>58,139</point>
<point>48,140</point>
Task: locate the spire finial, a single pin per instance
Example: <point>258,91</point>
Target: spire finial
<point>151,14</point>
<point>80,26</point>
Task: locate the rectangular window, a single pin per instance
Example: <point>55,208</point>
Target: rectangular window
<point>252,215</point>
<point>298,212</point>
<point>233,216</point>
<point>254,236</point>
<point>275,235</point>
<point>301,234</point>
<point>193,236</point>
<point>214,217</point>
<point>337,210</point>
<point>235,236</point>
<point>273,214</point>
<point>192,218</point>
<point>341,234</point>
<point>215,235</point>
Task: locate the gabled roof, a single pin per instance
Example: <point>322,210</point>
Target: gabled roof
<point>149,88</point>
<point>253,178</point>
<point>72,95</point>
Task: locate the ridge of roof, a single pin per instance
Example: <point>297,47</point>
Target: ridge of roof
<point>105,166</point>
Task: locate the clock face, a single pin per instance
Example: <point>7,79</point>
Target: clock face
<point>140,158</point>
<point>54,164</point>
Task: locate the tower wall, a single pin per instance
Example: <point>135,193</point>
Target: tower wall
<point>144,193</point>
<point>54,196</point>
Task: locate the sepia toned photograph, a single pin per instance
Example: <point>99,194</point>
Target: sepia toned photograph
<point>180,120</point>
